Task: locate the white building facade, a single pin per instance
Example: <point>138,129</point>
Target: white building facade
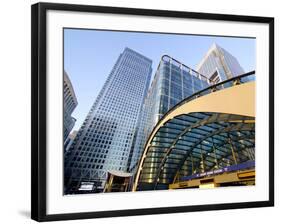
<point>219,65</point>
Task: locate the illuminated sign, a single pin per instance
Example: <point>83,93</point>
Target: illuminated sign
<point>241,166</point>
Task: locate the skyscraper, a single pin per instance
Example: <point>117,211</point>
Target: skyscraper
<point>172,83</point>
<point>70,103</point>
<point>105,138</point>
<point>68,142</point>
<point>219,65</point>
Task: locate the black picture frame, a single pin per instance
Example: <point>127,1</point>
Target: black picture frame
<point>39,108</point>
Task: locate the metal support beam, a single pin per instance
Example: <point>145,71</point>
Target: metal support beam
<point>232,150</point>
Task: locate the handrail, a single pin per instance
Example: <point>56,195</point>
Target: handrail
<point>185,66</point>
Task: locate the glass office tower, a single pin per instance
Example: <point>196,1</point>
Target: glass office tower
<point>172,83</point>
<point>219,65</point>
<point>107,135</point>
<point>70,103</point>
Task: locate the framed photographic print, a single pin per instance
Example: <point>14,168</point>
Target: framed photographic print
<point>139,111</point>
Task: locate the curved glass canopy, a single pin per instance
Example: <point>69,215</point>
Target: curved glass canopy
<point>196,143</point>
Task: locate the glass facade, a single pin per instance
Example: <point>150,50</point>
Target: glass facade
<point>219,65</point>
<point>70,103</point>
<point>197,143</point>
<point>172,83</point>
<point>105,138</point>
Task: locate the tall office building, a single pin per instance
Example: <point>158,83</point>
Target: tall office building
<point>172,83</point>
<point>107,135</point>
<point>219,65</point>
<point>70,103</point>
<point>68,142</point>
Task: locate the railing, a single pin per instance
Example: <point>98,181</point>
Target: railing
<point>173,61</point>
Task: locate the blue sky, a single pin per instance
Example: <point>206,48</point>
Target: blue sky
<point>89,56</point>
